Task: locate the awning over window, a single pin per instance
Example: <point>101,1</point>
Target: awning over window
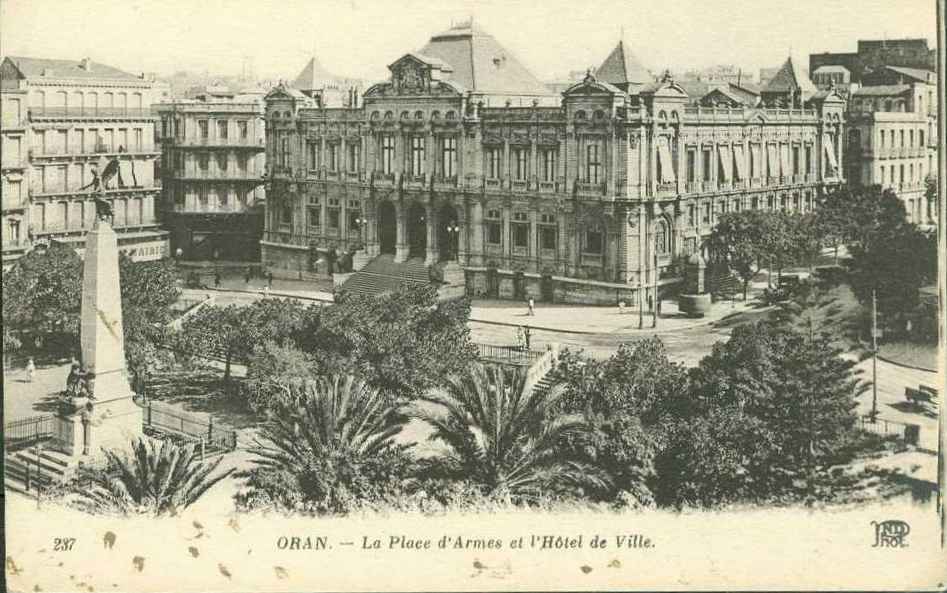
<point>739,158</point>
<point>126,175</point>
<point>772,166</point>
<point>667,163</point>
<point>830,154</point>
<point>784,161</point>
<point>726,161</point>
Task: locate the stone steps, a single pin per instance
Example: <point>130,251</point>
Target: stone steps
<point>44,467</point>
<point>382,275</point>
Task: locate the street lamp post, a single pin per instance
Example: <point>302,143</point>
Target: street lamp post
<point>874,357</point>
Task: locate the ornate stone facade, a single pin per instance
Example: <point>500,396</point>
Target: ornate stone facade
<point>583,201</point>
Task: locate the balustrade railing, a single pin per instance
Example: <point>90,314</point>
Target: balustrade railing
<point>136,112</point>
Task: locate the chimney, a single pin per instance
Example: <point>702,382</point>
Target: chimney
<point>86,64</point>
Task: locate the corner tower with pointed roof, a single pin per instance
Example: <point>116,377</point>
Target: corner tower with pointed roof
<point>623,69</point>
<point>789,87</point>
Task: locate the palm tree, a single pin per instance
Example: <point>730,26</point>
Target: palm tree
<point>330,446</point>
<point>153,480</point>
<point>503,434</point>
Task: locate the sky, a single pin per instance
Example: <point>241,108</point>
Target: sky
<point>359,38</point>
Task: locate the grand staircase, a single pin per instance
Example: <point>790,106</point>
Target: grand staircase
<point>382,275</point>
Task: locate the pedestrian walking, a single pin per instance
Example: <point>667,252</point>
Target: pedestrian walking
<point>269,279</point>
<point>30,369</point>
<point>217,279</point>
<point>532,307</point>
<point>247,275</point>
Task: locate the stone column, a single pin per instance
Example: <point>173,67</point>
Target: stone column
<point>432,219</point>
<point>474,232</point>
<point>401,246</point>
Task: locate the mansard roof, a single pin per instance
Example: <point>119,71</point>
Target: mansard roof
<point>788,79</point>
<point>623,67</point>
<point>480,64</point>
<point>37,67</point>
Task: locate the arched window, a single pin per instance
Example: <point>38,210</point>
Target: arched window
<point>418,115</point>
<point>580,115</point>
<point>599,114</point>
<point>405,115</point>
<point>450,115</point>
<point>376,114</point>
<point>662,239</point>
<point>435,114</point>
<point>389,115</point>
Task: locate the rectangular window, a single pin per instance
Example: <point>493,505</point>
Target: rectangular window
<point>242,163</point>
<point>520,164</point>
<point>286,213</point>
<point>449,157</point>
<point>202,126</point>
<point>550,158</point>
<point>705,156</point>
<point>494,170</point>
<point>222,130</point>
<point>795,160</point>
<point>355,156</point>
<point>705,219</point>
<point>313,155</point>
<point>593,164</point>
<point>494,225</point>
<point>520,230</point>
<point>691,166</point>
<point>387,154</point>
<point>333,157</point>
<point>593,241</point>
<point>416,166</point>
<point>548,232</point>
<point>691,215</point>
<point>139,139</point>
<point>334,219</point>
<point>284,152</point>
<point>222,161</point>
<point>243,129</point>
<point>203,161</point>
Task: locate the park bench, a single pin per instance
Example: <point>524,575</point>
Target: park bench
<point>922,395</point>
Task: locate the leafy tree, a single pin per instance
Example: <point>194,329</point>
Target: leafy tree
<point>154,480</point>
<point>796,390</point>
<point>737,241</point>
<point>148,291</point>
<point>402,342</point>
<point>505,436</point>
<point>806,238</point>
<point>328,449</point>
<point>233,332</point>
<point>42,297</point>
<point>624,401</point>
<point>271,372</point>
<point>896,263</point>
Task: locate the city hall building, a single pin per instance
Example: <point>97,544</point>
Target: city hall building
<point>592,195</point>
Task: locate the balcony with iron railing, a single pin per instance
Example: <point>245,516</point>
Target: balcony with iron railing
<point>445,182</point>
<point>590,188</point>
<point>519,185</point>
<point>90,112</point>
<point>492,183</point>
<point>224,143</point>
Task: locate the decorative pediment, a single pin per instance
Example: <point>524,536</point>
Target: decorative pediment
<point>591,86</point>
<point>415,74</point>
<point>281,91</point>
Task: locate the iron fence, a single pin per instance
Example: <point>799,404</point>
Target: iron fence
<point>517,355</point>
<point>909,433</point>
<point>26,432</point>
<point>212,439</point>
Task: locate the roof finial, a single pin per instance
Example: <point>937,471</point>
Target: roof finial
<point>589,77</point>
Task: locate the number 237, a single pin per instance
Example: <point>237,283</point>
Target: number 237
<point>63,544</point>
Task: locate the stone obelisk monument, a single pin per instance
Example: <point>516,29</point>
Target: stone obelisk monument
<point>103,414</point>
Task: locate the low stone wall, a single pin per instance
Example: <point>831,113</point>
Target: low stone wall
<point>564,290</point>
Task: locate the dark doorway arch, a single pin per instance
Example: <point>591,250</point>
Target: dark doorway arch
<point>417,231</point>
<point>448,233</point>
<point>387,227</point>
